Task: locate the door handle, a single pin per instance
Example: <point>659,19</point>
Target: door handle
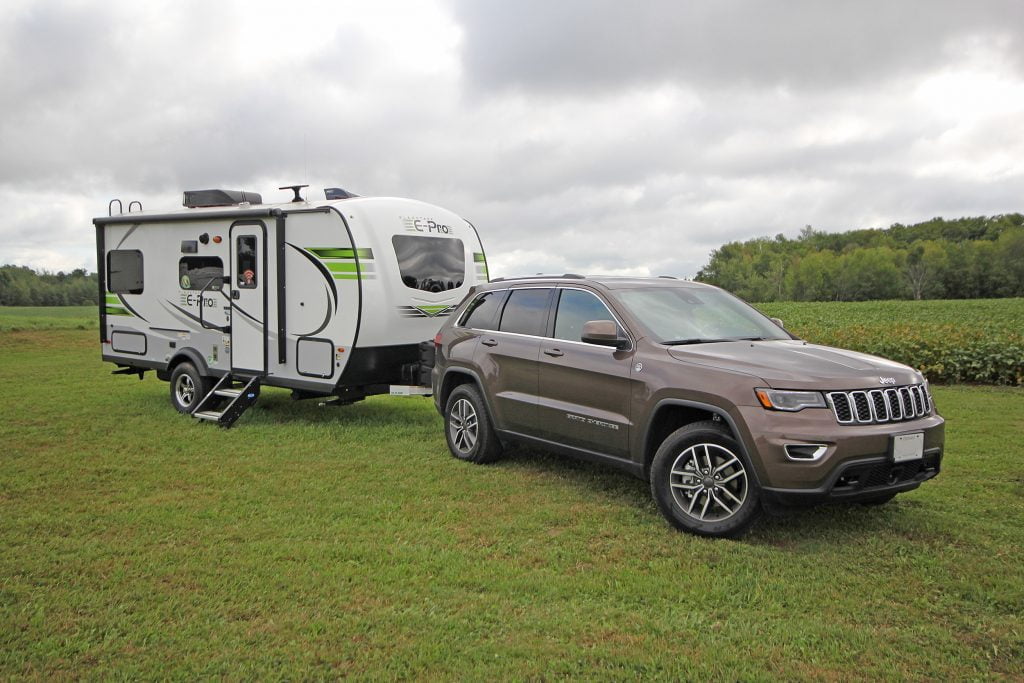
<point>553,352</point>
<point>235,294</point>
<point>489,342</point>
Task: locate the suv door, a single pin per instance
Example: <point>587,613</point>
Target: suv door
<point>507,358</point>
<point>584,389</point>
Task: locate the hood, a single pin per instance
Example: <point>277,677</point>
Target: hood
<point>794,364</point>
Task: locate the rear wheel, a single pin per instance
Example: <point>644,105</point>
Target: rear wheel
<point>188,387</point>
<point>468,428</point>
<point>702,482</point>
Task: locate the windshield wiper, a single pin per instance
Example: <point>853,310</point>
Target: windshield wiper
<point>682,342</point>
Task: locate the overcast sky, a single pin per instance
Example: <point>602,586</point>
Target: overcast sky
<point>583,135</point>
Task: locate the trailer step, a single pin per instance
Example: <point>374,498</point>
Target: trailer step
<point>228,399</point>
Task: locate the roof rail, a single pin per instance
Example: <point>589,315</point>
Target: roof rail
<point>541,276</point>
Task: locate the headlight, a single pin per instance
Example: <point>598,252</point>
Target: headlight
<point>777,399</point>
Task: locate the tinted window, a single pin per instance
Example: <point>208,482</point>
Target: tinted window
<point>196,272</point>
<point>433,264</point>
<point>526,311</point>
<point>124,271</point>
<point>245,262</point>
<point>576,307</point>
<point>481,313</point>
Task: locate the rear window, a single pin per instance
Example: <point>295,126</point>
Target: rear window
<point>481,313</point>
<point>525,312</point>
<point>431,264</point>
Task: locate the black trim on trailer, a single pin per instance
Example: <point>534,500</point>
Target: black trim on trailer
<point>188,217</point>
<point>282,342</point>
<point>323,271</point>
<point>124,303</point>
<point>235,307</point>
<point>101,280</point>
<point>359,282</point>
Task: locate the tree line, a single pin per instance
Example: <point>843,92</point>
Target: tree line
<point>965,258</point>
<point>23,286</point>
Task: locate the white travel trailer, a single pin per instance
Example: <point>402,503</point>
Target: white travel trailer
<point>328,298</point>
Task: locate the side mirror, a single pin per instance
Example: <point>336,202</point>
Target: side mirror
<point>778,322</point>
<point>603,332</point>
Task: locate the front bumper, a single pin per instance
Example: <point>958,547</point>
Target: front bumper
<point>856,465</point>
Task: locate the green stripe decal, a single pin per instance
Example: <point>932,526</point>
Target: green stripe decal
<point>110,310</point>
<point>341,252</point>
<point>345,276</point>
<point>479,258</point>
<point>432,310</point>
<point>112,299</point>
<point>341,267</point>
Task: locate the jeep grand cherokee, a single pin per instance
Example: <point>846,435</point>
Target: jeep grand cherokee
<point>719,408</point>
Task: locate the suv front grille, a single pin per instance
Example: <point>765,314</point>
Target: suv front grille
<point>872,406</point>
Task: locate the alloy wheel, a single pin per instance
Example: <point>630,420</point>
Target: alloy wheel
<point>708,482</point>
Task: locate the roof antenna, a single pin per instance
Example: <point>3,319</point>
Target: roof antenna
<point>295,189</point>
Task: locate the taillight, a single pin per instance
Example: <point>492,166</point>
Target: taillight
<point>437,340</point>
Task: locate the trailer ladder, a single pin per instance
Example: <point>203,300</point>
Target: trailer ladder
<point>228,399</point>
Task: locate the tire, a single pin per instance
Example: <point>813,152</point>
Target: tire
<point>880,499</point>
<point>468,428</point>
<point>188,388</point>
<point>703,483</point>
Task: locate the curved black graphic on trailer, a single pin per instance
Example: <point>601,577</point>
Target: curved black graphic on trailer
<point>323,271</point>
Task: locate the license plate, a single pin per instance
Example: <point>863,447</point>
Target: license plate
<point>907,447</point>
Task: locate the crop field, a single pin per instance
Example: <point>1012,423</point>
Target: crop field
<point>313,542</point>
<point>976,340</point>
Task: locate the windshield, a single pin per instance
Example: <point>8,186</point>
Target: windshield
<point>679,315</point>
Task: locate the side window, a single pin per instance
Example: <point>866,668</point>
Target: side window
<point>525,312</point>
<point>576,307</point>
<point>124,271</point>
<point>245,262</point>
<point>481,313</point>
<point>196,272</point>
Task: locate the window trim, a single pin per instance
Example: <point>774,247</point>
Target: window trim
<point>549,327</point>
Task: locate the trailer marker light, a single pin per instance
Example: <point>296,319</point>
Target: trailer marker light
<point>216,239</point>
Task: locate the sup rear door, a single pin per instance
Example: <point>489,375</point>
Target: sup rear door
<point>249,297</point>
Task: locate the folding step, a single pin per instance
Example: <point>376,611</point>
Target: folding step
<point>228,399</point>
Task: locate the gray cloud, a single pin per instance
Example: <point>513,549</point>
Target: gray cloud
<point>587,45</point>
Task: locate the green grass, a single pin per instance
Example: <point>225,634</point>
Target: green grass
<point>319,542</point>
<point>20,318</point>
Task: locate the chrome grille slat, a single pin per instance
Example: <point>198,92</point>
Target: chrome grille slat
<point>875,406</point>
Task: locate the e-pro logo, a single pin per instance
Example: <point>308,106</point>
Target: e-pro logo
<point>192,300</point>
<point>413,224</point>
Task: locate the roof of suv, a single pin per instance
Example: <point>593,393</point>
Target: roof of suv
<point>605,281</point>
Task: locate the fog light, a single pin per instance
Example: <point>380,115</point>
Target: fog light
<point>806,452</point>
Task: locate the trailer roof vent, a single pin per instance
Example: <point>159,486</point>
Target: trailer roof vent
<point>338,193</point>
<point>195,199</point>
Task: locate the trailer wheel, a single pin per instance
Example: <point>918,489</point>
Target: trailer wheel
<point>467,427</point>
<point>188,387</point>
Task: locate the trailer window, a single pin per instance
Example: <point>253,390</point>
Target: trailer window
<point>432,264</point>
<point>245,262</point>
<point>124,271</point>
<point>197,272</point>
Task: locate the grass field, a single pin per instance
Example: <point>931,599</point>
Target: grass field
<point>318,542</point>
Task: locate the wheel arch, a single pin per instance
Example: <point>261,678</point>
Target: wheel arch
<point>187,355</point>
<point>671,414</point>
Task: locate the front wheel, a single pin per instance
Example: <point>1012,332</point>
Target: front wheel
<point>188,388</point>
<point>702,482</point>
<point>468,428</point>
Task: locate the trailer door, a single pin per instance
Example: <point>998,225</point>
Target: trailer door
<point>249,297</point>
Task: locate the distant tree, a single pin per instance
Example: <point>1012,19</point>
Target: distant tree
<point>923,266</point>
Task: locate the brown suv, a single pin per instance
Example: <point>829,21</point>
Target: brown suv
<point>685,386</point>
